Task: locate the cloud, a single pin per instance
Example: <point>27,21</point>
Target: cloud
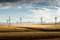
<point>30,3</point>
<point>5,7</point>
<point>47,9</point>
<point>10,0</point>
<point>54,2</point>
<point>19,6</point>
<point>47,14</point>
<point>32,10</point>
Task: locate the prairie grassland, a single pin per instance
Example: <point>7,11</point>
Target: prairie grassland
<point>29,31</point>
<point>15,27</point>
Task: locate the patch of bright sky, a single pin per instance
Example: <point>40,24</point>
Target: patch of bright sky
<point>14,13</point>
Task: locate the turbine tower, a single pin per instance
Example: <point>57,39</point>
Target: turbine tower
<point>20,20</point>
<point>9,20</point>
<point>55,20</point>
<point>41,20</point>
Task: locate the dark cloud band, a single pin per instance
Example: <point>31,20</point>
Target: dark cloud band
<point>26,3</point>
<point>10,0</point>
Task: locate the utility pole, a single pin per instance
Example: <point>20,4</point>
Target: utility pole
<point>41,20</point>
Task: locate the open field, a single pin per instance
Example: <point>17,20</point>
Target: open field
<point>29,32</point>
<point>27,27</point>
<point>30,35</point>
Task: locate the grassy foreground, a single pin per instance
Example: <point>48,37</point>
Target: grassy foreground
<point>29,32</point>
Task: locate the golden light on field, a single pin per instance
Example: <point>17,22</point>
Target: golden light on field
<point>24,26</point>
<point>28,31</point>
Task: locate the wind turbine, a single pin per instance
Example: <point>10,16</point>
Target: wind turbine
<point>9,20</point>
<point>41,20</point>
<point>20,20</point>
<point>55,21</point>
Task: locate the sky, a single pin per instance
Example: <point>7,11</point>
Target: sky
<point>30,10</point>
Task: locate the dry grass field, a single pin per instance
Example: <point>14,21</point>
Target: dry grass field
<point>29,32</point>
<point>19,27</point>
